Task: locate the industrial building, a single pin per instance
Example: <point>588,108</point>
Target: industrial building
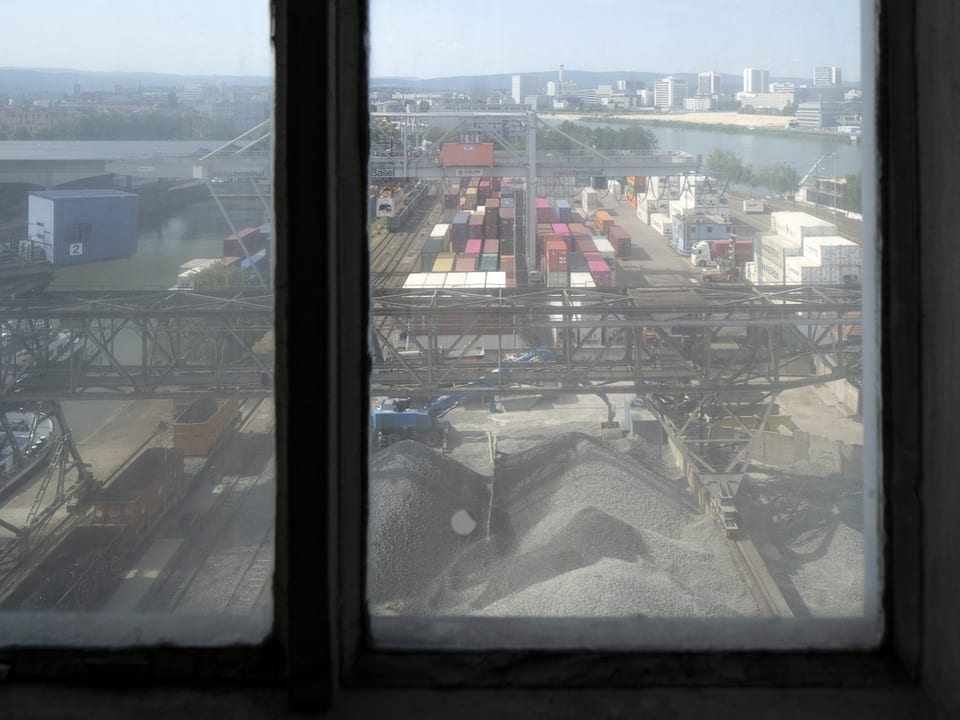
<point>71,227</point>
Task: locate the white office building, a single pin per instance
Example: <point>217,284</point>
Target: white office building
<point>669,92</point>
<point>521,87</point>
<point>756,81</point>
<point>708,83</point>
<point>826,76</point>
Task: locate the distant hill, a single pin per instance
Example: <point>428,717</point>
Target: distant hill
<point>18,81</point>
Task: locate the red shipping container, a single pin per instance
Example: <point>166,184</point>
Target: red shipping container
<point>491,245</point>
<point>584,244</point>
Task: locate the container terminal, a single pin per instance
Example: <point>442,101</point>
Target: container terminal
<point>514,300</point>
<point>502,290</point>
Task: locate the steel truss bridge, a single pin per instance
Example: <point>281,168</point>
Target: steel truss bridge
<point>131,345</point>
<point>695,355</point>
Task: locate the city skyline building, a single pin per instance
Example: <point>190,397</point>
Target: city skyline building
<point>669,92</point>
<point>708,83</point>
<point>755,80</point>
<point>826,76</point>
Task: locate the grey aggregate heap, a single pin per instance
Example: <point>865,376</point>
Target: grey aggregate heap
<point>570,527</point>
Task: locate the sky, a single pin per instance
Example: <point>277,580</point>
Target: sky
<point>443,38</point>
<point>183,37</point>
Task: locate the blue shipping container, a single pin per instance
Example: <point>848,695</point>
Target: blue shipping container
<point>80,226</point>
<point>488,262</point>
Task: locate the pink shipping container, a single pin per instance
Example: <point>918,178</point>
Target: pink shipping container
<point>474,247</point>
<point>599,269</point>
<point>545,213</point>
<point>561,229</point>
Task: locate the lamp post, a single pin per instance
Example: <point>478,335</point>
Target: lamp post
<point>835,157</point>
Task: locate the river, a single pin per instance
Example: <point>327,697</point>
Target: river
<point>757,149</point>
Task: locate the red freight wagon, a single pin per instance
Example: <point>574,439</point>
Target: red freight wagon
<point>141,494</point>
<point>466,155</point>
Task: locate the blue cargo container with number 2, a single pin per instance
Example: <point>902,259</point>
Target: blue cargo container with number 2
<point>72,227</point>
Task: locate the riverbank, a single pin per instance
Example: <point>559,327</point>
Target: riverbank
<point>740,120</point>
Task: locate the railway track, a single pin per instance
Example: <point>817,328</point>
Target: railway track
<point>218,571</point>
<point>397,254</point>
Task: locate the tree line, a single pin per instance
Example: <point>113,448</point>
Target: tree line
<point>780,177</point>
<point>138,126</point>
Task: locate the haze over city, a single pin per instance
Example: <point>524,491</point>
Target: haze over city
<point>435,38</point>
<point>212,37</point>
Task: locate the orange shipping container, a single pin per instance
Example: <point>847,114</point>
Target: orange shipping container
<point>466,155</point>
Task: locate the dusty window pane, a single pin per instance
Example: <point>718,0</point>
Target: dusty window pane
<point>623,382</point>
<point>137,473</point>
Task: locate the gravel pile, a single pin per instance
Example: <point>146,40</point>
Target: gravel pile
<point>576,528</point>
<point>415,492</point>
<point>829,571</point>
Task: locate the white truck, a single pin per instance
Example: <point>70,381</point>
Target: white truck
<point>751,205</point>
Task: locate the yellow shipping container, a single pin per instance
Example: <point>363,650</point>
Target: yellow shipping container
<point>443,263</point>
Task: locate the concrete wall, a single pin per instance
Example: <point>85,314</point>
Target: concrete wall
<point>806,452</point>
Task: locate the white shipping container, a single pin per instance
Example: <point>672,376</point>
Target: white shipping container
<point>414,280</point>
<point>644,213</point>
<point>800,270</point>
<point>769,272</point>
<point>496,279</point>
<point>476,280</point>
<point>750,272</point>
<point>581,280</point>
<point>440,230</point>
<point>776,247</point>
<point>832,249</point>
<point>434,280</point>
<point>455,280</point>
<point>604,247</point>
<point>614,187</point>
<point>799,225</point>
<point>662,224</point>
<point>589,200</point>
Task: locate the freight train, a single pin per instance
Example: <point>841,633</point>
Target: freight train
<point>86,564</point>
<point>397,203</point>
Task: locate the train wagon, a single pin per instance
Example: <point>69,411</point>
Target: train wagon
<point>76,575</point>
<point>198,428</point>
<point>143,491</point>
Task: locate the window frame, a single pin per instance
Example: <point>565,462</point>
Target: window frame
<point>894,665</point>
<point>318,650</point>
